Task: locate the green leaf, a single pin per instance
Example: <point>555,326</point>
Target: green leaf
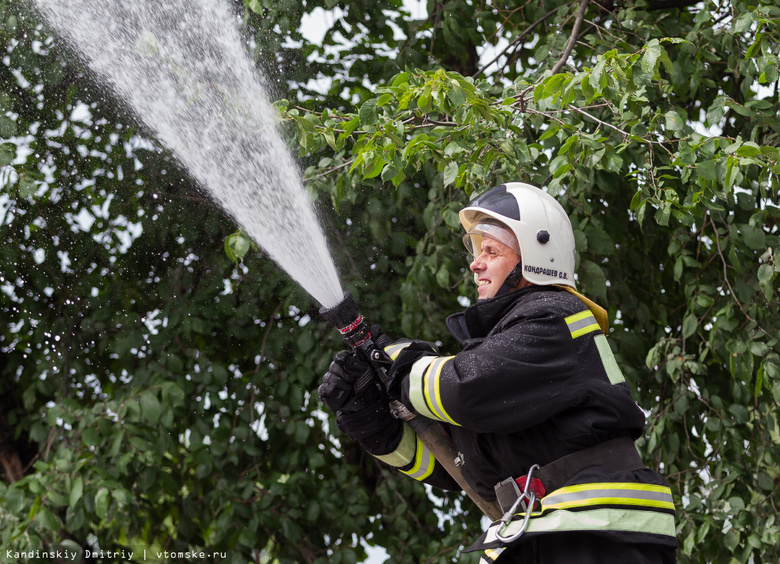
<point>553,85</point>
<point>368,113</point>
<point>236,246</point>
<point>679,265</point>
<point>101,503</point>
<point>650,56</point>
<point>457,95</point>
<point>740,414</point>
<point>594,78</point>
<point>593,279</point>
<point>90,437</point>
<point>330,138</point>
<point>673,121</point>
<point>384,99</point>
<point>743,22</point>
<point>7,154</point>
<point>754,237</point>
<point>736,503</point>
<point>116,443</point>
<point>26,186</point>
<point>424,100</point>
<point>7,127</point>
<point>450,173</point>
<point>636,201</point>
<point>255,6</point>
<point>374,167</point>
<point>350,126</point>
<point>35,508</point>
<point>765,273</point>
<point>151,409</point>
<point>76,491</point>
<point>748,149</point>
<point>707,170</point>
<point>690,323</point>
<point>49,520</point>
<point>443,277</point>
<point>731,540</point>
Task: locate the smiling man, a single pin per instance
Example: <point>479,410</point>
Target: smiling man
<point>535,403</point>
<point>496,256</point>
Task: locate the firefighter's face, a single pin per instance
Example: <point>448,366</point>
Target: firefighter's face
<point>491,266</point>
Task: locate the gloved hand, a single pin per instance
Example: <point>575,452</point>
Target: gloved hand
<point>348,385</point>
<point>349,389</point>
<point>381,340</point>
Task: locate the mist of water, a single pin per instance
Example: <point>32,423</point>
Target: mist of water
<point>182,67</point>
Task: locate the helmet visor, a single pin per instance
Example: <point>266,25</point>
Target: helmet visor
<point>492,230</point>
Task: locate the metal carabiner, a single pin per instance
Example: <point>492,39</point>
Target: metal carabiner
<point>530,496</point>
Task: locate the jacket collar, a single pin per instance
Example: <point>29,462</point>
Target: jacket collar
<point>476,321</point>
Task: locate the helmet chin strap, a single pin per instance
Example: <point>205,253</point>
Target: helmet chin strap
<point>512,280</point>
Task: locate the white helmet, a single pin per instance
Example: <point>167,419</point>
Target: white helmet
<point>543,230</point>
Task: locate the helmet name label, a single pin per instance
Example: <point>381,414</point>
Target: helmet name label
<point>546,271</point>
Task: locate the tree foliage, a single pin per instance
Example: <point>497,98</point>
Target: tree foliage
<point>158,385</point>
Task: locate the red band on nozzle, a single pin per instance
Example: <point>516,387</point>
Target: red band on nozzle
<point>352,326</point>
<point>345,317</point>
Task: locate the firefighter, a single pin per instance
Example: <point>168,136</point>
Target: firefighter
<point>535,403</point>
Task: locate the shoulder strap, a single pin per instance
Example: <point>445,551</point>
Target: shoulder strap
<point>601,315</point>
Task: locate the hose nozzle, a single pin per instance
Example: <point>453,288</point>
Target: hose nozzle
<point>345,317</point>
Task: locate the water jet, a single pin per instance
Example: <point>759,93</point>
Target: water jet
<point>183,69</point>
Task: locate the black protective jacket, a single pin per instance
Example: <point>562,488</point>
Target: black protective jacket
<point>535,381</point>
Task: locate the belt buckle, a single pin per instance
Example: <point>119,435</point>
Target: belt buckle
<point>527,498</point>
<point>507,492</point>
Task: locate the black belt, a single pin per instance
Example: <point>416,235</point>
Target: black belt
<point>615,454</point>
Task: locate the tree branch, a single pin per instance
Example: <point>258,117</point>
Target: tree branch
<point>726,280</point>
<point>572,38</point>
<point>517,40</point>
<point>670,4</point>
<point>604,123</point>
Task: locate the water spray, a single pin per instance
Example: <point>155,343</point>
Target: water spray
<point>354,328</point>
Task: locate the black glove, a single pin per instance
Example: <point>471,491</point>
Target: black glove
<point>349,384</point>
<point>349,389</point>
<point>381,340</point>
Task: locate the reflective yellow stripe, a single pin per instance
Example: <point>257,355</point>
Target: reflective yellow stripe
<point>432,389</point>
<point>491,555</point>
<point>612,493</point>
<point>582,323</point>
<point>424,462</point>
<point>425,388</point>
<point>611,367</point>
<point>602,519</point>
<point>599,312</point>
<point>416,393</point>
<point>404,452</point>
<point>393,350</point>
<point>646,508</point>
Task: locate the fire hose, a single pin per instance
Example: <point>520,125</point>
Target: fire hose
<point>345,317</point>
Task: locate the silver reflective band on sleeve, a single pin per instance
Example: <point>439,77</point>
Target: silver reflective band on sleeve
<point>582,323</point>
<point>404,452</point>
<point>424,462</point>
<point>425,388</point>
<point>416,394</point>
<point>393,350</point>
